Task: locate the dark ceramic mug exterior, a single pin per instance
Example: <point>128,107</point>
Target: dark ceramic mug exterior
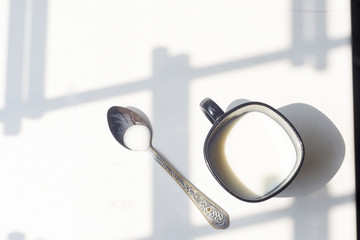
<point>219,118</point>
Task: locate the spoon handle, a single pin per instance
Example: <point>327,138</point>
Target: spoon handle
<point>214,214</point>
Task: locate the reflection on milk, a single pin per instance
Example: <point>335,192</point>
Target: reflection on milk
<point>137,138</point>
<point>253,154</point>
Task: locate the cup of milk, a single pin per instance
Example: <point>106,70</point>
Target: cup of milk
<point>252,150</point>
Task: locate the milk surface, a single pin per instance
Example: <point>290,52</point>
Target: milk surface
<point>254,153</point>
<point>137,137</point>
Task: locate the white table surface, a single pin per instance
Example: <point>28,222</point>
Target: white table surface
<point>64,63</point>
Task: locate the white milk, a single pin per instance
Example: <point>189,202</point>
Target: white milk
<point>137,137</point>
<point>254,153</point>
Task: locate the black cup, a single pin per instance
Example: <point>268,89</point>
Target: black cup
<point>267,149</point>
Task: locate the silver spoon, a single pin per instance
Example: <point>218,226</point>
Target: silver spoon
<point>120,119</point>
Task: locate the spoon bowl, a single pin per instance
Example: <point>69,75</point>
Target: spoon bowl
<point>120,119</point>
<point>126,124</point>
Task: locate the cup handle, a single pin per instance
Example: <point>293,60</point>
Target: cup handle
<point>211,110</point>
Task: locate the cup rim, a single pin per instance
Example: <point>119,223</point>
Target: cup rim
<point>276,190</point>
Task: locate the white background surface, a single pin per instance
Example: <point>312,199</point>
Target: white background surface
<point>64,63</point>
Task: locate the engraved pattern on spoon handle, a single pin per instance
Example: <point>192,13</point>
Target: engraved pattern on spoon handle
<point>215,215</point>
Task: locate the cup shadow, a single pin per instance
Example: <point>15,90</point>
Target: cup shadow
<point>324,149</point>
<point>236,103</point>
